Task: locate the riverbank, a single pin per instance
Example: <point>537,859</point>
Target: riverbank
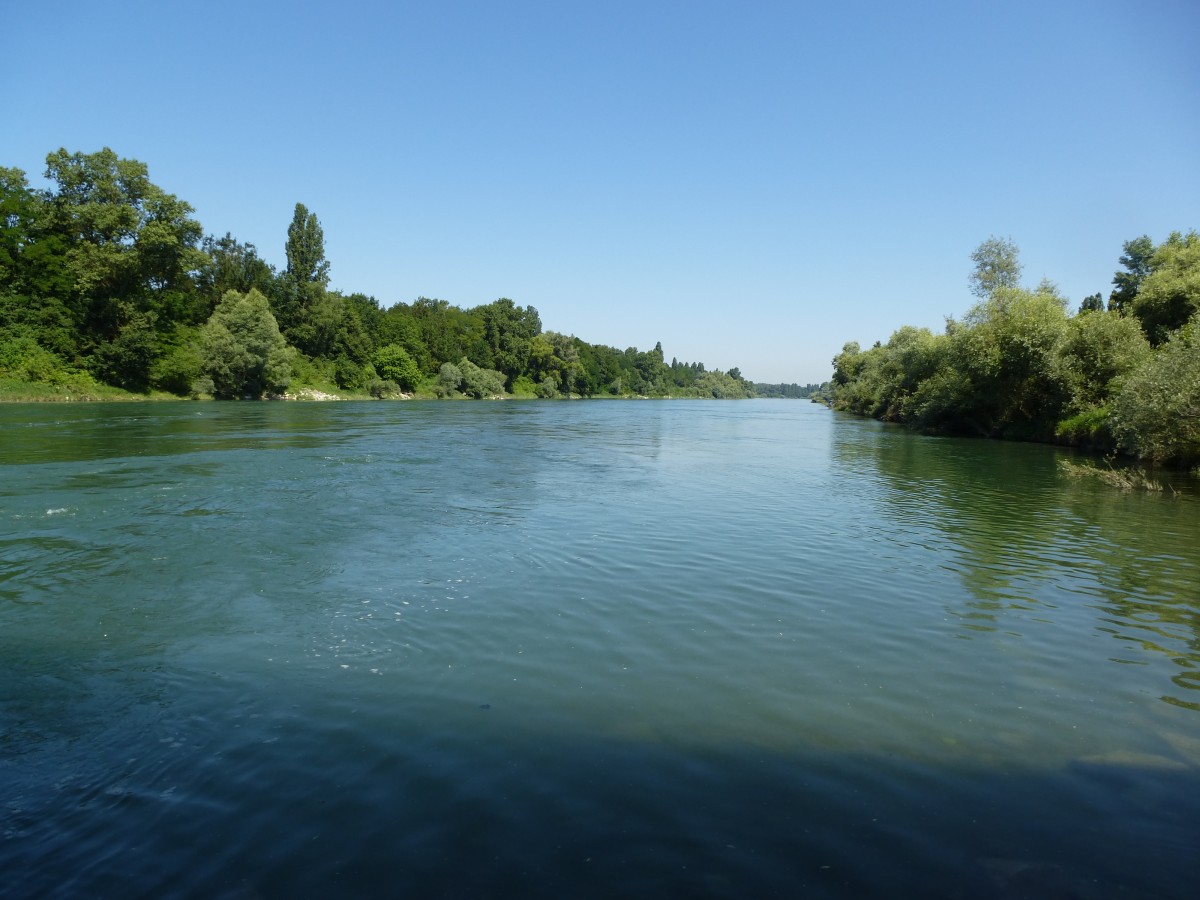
<point>14,390</point>
<point>85,390</point>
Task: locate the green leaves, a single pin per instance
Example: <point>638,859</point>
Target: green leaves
<point>1136,260</point>
<point>229,265</point>
<point>480,383</point>
<point>242,351</point>
<point>306,248</point>
<point>449,378</point>
<point>125,361</point>
<point>1156,414</point>
<point>1093,352</point>
<point>997,266</point>
<point>509,331</point>
<point>393,363</point>
<point>108,273</point>
<point>118,254</point>
<point>1169,295</point>
<point>1017,366</point>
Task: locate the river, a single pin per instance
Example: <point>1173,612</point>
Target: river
<point>584,649</point>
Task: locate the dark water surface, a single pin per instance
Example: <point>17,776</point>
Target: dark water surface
<point>584,649</point>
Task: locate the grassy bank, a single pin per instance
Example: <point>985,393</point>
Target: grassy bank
<point>15,390</point>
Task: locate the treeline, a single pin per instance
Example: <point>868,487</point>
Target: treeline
<point>790,391</point>
<point>105,278</point>
<point>1118,377</point>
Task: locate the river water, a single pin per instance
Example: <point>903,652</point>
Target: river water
<point>587,649</point>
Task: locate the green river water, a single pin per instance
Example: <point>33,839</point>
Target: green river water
<point>586,649</point>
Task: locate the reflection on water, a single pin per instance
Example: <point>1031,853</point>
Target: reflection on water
<point>1024,540</point>
<point>584,649</point>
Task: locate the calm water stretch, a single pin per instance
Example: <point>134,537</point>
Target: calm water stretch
<point>590,649</point>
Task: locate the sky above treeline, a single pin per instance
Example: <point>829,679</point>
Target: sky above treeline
<point>751,183</point>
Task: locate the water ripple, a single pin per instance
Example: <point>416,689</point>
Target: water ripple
<point>561,649</point>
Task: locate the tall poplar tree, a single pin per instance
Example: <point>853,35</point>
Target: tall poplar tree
<point>301,290</point>
<point>305,249</point>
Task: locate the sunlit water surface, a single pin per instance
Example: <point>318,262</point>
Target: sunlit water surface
<point>584,649</point>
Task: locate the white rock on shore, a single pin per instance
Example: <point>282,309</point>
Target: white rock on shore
<point>310,394</point>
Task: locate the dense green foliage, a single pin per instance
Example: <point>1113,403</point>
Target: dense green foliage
<point>106,279</point>
<point>242,352</point>
<point>1019,365</point>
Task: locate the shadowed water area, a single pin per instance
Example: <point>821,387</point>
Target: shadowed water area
<point>585,649</point>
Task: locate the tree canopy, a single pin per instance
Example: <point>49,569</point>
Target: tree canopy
<point>106,278</point>
<point>1018,365</point>
<point>997,266</point>
<point>243,353</point>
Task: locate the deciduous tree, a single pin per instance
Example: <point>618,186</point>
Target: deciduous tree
<point>243,353</point>
<point>1136,260</point>
<point>305,248</point>
<point>394,363</point>
<point>1093,351</point>
<point>1156,413</point>
<point>131,246</point>
<point>1170,294</point>
<point>997,266</point>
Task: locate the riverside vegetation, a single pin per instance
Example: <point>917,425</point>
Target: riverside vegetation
<point>109,288</point>
<point>1118,378</point>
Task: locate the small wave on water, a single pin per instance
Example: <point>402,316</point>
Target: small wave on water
<point>642,649</point>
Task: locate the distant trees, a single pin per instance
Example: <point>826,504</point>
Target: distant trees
<point>508,332</point>
<point>35,280</point>
<point>723,386</point>
<point>232,266</point>
<point>791,391</point>
<point>562,366</point>
<point>105,277</point>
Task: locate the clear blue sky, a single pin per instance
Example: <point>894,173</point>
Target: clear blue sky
<point>750,183</point>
